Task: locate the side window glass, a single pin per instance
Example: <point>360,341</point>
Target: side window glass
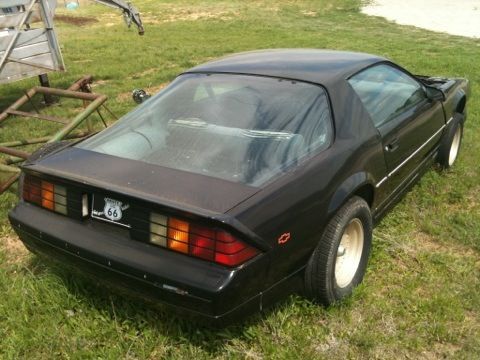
<point>386,92</point>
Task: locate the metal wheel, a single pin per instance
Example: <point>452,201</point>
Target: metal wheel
<point>455,146</point>
<point>349,253</point>
<point>451,142</point>
<point>339,261</point>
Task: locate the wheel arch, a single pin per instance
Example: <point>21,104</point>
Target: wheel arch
<point>460,108</point>
<point>359,184</point>
<point>458,102</point>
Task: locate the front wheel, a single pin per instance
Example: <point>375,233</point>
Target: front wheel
<point>339,261</point>
<point>451,142</point>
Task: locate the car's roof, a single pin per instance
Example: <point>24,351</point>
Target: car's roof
<point>319,66</point>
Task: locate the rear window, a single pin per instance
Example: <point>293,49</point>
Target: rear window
<point>240,128</point>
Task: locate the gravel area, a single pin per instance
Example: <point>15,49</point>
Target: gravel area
<point>456,17</point>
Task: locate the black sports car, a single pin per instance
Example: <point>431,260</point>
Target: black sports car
<point>248,177</point>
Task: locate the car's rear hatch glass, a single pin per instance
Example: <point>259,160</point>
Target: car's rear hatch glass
<point>240,128</point>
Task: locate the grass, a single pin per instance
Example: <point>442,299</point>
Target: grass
<point>421,294</point>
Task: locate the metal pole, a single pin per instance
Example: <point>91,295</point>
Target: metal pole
<point>79,119</point>
<point>49,100</point>
<point>14,152</point>
<point>17,104</point>
<point>11,169</point>
<point>11,160</point>
<point>67,93</point>
<point>41,140</point>
<point>8,183</point>
<point>81,83</point>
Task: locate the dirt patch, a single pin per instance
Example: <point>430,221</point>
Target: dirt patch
<point>144,73</point>
<point>186,15</point>
<point>99,83</point>
<point>82,61</point>
<point>173,14</point>
<point>75,20</point>
<point>152,90</point>
<point>14,249</point>
<point>308,13</point>
<point>429,244</point>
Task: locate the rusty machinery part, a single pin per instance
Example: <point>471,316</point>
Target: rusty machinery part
<point>140,95</point>
<point>81,90</point>
<point>130,13</point>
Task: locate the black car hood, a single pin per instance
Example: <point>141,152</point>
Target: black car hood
<point>179,189</point>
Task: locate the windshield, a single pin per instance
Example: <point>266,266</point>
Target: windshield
<point>240,128</point>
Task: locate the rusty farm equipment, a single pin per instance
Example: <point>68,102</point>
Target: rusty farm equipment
<point>11,153</point>
<point>29,47</point>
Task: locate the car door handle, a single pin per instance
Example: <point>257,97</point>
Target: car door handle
<point>392,145</point>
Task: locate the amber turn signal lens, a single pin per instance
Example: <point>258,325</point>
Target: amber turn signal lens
<point>45,194</point>
<point>178,235</point>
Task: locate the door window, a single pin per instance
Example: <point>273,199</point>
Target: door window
<point>386,92</point>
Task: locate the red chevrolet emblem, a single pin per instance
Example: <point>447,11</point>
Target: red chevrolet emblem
<point>284,238</point>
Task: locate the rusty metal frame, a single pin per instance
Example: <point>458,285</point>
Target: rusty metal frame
<point>79,90</point>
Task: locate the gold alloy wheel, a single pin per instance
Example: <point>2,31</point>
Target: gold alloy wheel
<point>349,253</point>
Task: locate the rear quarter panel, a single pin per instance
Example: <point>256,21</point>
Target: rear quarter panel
<point>302,201</point>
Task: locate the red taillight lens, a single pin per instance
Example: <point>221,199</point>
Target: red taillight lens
<point>230,251</point>
<point>202,242</point>
<point>45,194</point>
<point>199,241</point>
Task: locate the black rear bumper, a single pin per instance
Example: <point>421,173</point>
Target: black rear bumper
<point>105,251</point>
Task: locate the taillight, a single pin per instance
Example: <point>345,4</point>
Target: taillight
<point>200,241</point>
<point>45,194</point>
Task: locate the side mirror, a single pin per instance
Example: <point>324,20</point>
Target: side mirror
<point>434,93</point>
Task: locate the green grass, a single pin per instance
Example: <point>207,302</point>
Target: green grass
<point>421,294</point>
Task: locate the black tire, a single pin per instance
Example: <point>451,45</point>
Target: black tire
<point>320,275</point>
<point>446,153</point>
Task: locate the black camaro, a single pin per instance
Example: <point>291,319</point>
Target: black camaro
<point>248,177</point>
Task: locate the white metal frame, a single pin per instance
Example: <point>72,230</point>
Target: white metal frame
<point>25,50</point>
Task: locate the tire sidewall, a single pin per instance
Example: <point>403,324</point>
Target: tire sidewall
<point>320,282</point>
<point>447,141</point>
<point>360,211</point>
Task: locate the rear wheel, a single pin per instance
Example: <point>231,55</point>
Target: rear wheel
<point>338,263</point>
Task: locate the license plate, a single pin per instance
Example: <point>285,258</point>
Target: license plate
<point>110,210</point>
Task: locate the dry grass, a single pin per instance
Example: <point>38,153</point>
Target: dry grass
<point>152,90</point>
<point>14,249</point>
